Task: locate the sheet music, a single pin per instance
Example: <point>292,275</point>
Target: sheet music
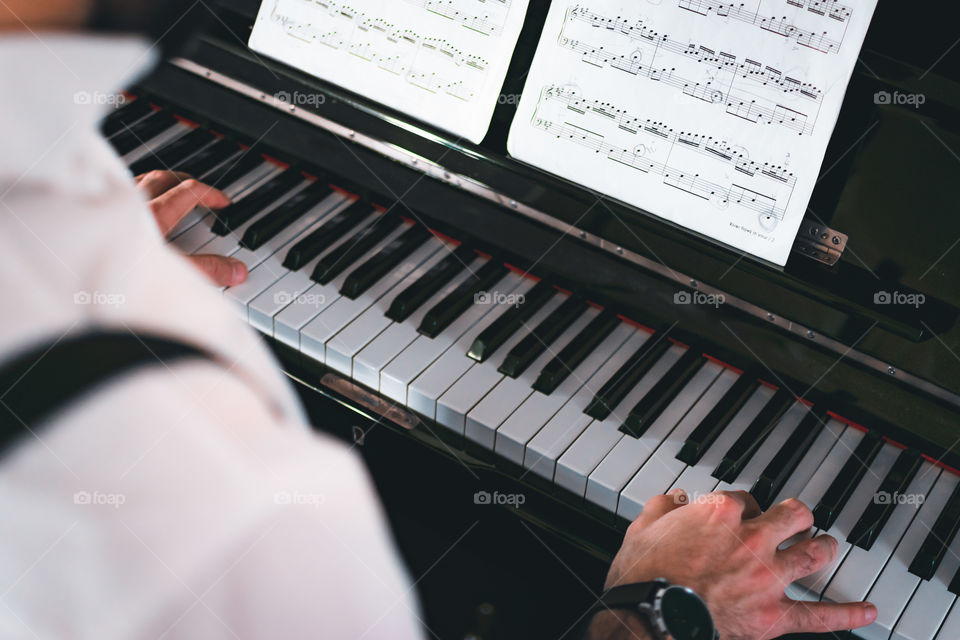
<point>711,114</point>
<point>442,61</point>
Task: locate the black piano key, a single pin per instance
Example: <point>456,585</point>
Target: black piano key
<point>234,169</point>
<point>875,516</point>
<point>662,394</point>
<point>461,298</point>
<point>719,417</point>
<point>576,351</point>
<point>367,274</point>
<point>238,213</point>
<point>411,298</point>
<point>351,250</point>
<point>753,436</point>
<point>627,377</point>
<point>852,472</point>
<point>537,341</point>
<point>124,117</point>
<point>140,132</point>
<point>173,152</point>
<point>207,158</point>
<point>267,227</point>
<point>935,546</point>
<point>314,244</point>
<point>511,322</point>
<point>778,471</point>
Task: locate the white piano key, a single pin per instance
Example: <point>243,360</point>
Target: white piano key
<point>766,452</point>
<point>454,405</point>
<point>367,326</point>
<point>371,360</point>
<point>586,452</point>
<point>930,604</point>
<point>553,439</point>
<point>861,497</point>
<point>424,391</point>
<point>536,410</point>
<point>315,334</point>
<point>662,467</point>
<point>697,480</point>
<point>396,377</point>
<point>199,233</point>
<point>230,244</point>
<point>293,286</point>
<point>828,437</point>
<point>621,463</point>
<point>314,301</point>
<point>895,586</point>
<point>265,265</point>
<point>855,576</point>
<point>495,407</point>
<point>148,147</point>
<point>950,629</point>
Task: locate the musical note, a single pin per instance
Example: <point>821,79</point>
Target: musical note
<point>465,13</point>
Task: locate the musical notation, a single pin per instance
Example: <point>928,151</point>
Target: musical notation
<point>743,88</point>
<point>466,13</point>
<point>713,115</point>
<point>822,41</point>
<point>687,161</point>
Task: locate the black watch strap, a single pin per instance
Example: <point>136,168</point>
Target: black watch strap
<point>629,596</point>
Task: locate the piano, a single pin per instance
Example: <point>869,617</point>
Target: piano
<point>570,357</point>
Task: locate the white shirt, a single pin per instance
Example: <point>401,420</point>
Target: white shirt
<point>182,503</point>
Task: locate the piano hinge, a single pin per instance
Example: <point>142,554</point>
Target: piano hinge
<point>370,401</point>
<point>819,242</point>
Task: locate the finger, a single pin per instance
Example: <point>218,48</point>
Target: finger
<point>154,183</point>
<point>823,617</point>
<point>661,505</point>
<point>806,557</point>
<point>224,272</point>
<point>739,503</point>
<point>171,206</point>
<point>787,518</point>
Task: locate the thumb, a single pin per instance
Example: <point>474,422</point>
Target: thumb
<point>661,505</point>
<point>225,272</point>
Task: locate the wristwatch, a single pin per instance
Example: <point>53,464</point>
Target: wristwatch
<point>674,612</point>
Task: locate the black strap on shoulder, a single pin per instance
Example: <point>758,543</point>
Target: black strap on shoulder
<point>45,379</point>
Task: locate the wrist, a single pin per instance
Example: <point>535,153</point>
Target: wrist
<point>614,625</point>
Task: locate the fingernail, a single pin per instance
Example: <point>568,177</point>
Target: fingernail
<point>239,271</point>
<point>871,612</point>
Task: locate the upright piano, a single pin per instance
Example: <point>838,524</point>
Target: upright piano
<point>494,336</point>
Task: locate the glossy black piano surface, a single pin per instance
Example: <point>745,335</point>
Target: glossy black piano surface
<point>886,183</point>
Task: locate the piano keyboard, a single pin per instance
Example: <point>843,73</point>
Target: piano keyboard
<point>604,409</point>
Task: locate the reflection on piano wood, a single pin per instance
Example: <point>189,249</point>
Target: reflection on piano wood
<point>746,88</point>
<point>600,406</point>
<point>647,146</point>
<point>759,14</point>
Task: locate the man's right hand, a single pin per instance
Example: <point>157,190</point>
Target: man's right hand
<point>725,549</point>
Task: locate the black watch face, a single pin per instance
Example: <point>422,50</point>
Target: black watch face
<point>685,615</point>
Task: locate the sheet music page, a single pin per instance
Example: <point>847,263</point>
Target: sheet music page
<point>442,61</point>
<point>711,114</point>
